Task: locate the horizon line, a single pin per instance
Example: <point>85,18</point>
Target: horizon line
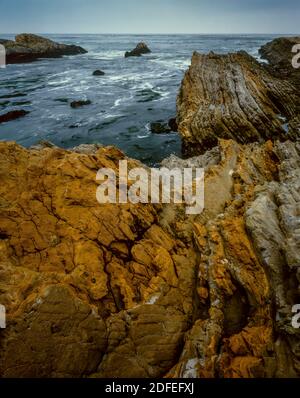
<point>150,34</point>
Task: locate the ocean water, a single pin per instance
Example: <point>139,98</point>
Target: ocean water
<point>133,93</point>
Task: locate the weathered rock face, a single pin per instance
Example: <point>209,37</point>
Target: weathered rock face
<point>139,50</point>
<point>248,273</point>
<point>279,55</point>
<point>234,97</point>
<point>29,47</point>
<point>137,290</point>
<point>88,288</point>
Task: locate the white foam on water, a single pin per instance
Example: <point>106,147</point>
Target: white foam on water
<point>60,82</point>
<point>173,63</point>
<point>143,136</point>
<point>107,55</point>
<point>111,115</point>
<point>119,101</point>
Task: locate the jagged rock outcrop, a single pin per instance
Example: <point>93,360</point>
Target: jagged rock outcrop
<point>29,47</point>
<point>138,51</point>
<point>248,273</point>
<point>142,290</point>
<point>234,97</point>
<point>279,54</point>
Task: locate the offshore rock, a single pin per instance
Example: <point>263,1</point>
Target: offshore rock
<point>12,115</point>
<point>139,50</point>
<point>234,97</point>
<point>140,290</point>
<point>98,72</point>
<point>79,104</point>
<point>29,47</point>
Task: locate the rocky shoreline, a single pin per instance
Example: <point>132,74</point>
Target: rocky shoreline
<point>145,290</point>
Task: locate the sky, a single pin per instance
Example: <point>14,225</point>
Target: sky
<point>150,16</point>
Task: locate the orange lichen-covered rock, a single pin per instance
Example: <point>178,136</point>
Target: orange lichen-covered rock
<point>124,290</point>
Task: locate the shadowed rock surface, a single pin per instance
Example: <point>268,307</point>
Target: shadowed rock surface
<point>139,50</point>
<point>279,55</point>
<point>29,47</point>
<point>143,290</point>
<point>234,97</point>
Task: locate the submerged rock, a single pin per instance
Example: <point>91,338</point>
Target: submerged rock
<point>140,49</point>
<point>78,104</point>
<point>98,73</point>
<point>202,296</point>
<point>12,115</point>
<point>159,128</point>
<point>233,96</point>
<point>29,47</point>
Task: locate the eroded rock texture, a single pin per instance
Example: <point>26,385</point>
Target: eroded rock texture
<point>137,290</point>
<point>88,288</point>
<point>234,97</point>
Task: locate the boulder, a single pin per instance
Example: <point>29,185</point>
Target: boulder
<point>29,47</point>
<point>12,115</point>
<point>234,97</point>
<point>140,49</point>
<point>79,104</point>
<point>98,73</point>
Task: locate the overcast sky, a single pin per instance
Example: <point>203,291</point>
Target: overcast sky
<point>150,16</point>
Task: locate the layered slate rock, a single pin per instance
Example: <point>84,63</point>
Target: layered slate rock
<point>138,51</point>
<point>279,55</point>
<point>145,291</point>
<point>234,97</point>
<point>30,47</point>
